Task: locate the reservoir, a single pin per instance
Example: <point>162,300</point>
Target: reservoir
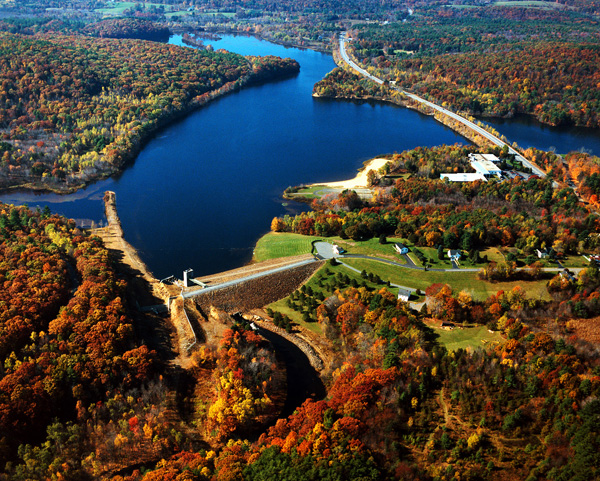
<point>204,189</point>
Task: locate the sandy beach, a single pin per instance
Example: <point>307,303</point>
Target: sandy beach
<point>360,181</point>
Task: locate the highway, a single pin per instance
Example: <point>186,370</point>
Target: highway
<point>500,143</point>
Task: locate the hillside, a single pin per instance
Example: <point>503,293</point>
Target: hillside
<point>493,60</point>
<point>75,109</point>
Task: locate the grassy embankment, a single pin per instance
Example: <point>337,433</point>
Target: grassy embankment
<point>468,338</point>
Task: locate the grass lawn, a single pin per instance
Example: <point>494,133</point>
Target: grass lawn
<point>467,281</point>
<point>528,3</point>
<point>574,261</point>
<point>181,13</point>
<point>432,254</point>
<point>372,247</point>
<point>117,8</point>
<point>282,244</point>
<point>467,337</point>
<point>295,316</point>
<point>308,192</point>
<point>225,14</point>
<point>493,255</point>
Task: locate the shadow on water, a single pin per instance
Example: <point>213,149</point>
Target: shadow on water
<point>303,382</point>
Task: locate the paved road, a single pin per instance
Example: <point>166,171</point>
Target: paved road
<point>411,289</point>
<point>325,251</point>
<point>500,143</point>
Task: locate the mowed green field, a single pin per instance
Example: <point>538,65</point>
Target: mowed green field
<point>282,244</point>
<point>460,281</point>
<point>468,338</point>
<point>117,8</point>
<point>529,3</point>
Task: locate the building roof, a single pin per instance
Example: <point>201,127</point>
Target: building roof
<point>490,157</point>
<point>485,167</point>
<point>463,177</point>
<point>404,294</point>
<point>483,157</point>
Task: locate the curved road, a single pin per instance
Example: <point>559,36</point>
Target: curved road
<point>500,143</point>
<point>325,251</point>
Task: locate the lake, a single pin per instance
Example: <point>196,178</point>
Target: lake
<point>204,189</point>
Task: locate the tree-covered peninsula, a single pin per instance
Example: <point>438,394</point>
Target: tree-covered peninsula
<point>75,109</point>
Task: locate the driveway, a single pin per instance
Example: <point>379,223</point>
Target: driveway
<point>325,250</point>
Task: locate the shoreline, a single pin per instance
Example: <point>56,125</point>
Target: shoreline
<point>128,157</point>
<point>112,236</point>
<point>359,180</point>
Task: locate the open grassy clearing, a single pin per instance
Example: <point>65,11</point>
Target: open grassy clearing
<point>529,3</point>
<point>574,261</point>
<point>467,281</point>
<point>372,247</point>
<point>224,14</point>
<point>295,316</point>
<point>493,255</point>
<point>466,337</point>
<point>117,8</point>
<point>282,244</point>
<point>309,192</point>
<point>181,13</point>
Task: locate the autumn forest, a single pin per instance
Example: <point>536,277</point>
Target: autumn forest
<point>93,385</point>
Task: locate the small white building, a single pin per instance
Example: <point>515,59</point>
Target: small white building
<point>404,295</point>
<point>486,168</point>
<point>542,253</point>
<point>483,158</point>
<point>464,177</point>
<point>454,255</point>
<point>401,248</point>
<point>337,250</point>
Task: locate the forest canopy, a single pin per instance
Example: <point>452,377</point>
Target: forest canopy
<point>74,108</point>
<point>495,61</point>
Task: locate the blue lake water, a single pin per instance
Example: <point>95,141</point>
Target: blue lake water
<point>528,132</point>
<point>206,188</point>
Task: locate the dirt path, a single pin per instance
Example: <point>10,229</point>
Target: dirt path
<point>148,290</point>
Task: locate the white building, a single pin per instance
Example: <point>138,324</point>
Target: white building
<point>404,294</point>
<point>401,248</point>
<point>454,255</point>
<point>483,158</point>
<point>486,168</point>
<point>463,177</point>
<point>337,250</point>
